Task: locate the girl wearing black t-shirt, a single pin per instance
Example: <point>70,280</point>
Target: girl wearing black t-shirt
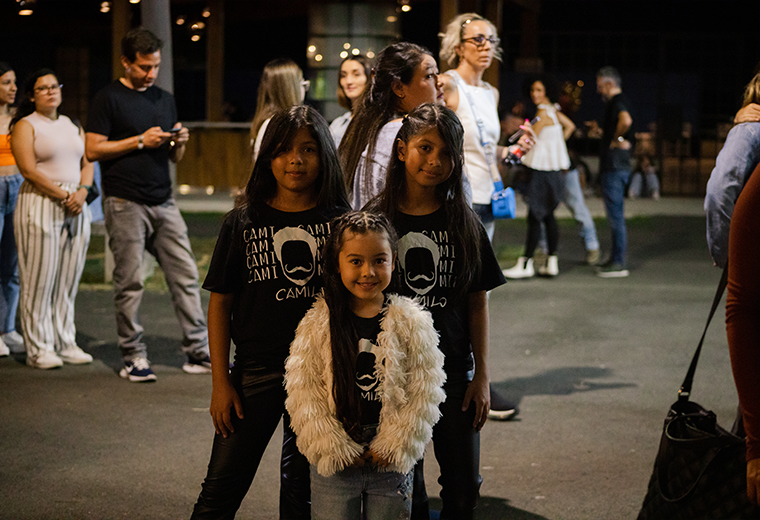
<point>446,262</point>
<point>264,275</point>
<point>363,378</point>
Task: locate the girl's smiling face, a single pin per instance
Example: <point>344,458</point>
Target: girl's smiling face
<point>296,168</point>
<point>8,88</point>
<point>365,263</point>
<point>427,160</point>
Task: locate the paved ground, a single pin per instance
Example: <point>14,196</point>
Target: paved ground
<point>593,363</point>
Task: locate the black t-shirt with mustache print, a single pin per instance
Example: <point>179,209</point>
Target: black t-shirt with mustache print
<point>426,268</point>
<point>273,267</point>
<point>367,330</point>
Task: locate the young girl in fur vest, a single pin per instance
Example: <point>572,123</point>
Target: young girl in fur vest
<point>363,379</point>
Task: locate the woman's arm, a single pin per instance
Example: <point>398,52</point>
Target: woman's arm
<point>568,127</point>
<point>224,397</point>
<point>22,146</point>
<point>75,202</point>
<point>478,392</point>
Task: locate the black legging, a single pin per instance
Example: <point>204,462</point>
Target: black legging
<point>534,233</point>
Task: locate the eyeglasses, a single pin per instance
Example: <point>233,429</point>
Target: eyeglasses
<point>481,40</point>
<point>305,83</point>
<point>48,88</point>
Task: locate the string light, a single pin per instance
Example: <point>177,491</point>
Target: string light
<point>105,7</point>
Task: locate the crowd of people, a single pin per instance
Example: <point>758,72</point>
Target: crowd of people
<point>353,274</point>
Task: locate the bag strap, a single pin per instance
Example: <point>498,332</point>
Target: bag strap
<point>685,391</point>
<point>487,150</point>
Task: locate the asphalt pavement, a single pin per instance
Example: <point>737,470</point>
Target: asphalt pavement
<point>593,363</point>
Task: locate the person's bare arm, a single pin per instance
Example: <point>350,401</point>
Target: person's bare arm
<point>177,150</point>
<point>568,127</point>
<point>99,148</point>
<point>224,397</point>
<point>22,146</point>
<point>478,392</point>
<point>76,200</point>
<point>624,122</point>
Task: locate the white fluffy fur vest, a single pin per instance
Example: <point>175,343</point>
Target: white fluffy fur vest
<point>410,376</point>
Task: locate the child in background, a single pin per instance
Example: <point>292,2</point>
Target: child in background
<point>447,263</point>
<point>363,379</point>
<point>645,174</point>
<point>264,275</point>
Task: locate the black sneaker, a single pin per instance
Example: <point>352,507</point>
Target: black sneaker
<point>194,365</point>
<point>138,371</point>
<point>501,409</point>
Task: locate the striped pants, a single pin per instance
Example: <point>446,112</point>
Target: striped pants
<point>52,245</point>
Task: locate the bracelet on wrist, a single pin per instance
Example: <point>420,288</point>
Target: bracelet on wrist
<point>85,186</point>
<point>140,143</point>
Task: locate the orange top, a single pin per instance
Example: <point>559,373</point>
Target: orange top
<point>6,157</point>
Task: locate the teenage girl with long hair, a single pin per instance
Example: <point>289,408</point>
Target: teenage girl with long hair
<point>282,86</point>
<point>447,262</point>
<point>353,77</point>
<point>10,182</point>
<point>406,75</point>
<point>363,378</point>
<point>264,275</point>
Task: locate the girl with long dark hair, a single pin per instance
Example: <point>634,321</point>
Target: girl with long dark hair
<point>264,275</point>
<point>406,76</point>
<point>363,379</point>
<point>446,261</point>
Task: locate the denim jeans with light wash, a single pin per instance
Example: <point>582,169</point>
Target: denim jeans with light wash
<point>576,203</point>
<point>134,228</point>
<point>643,185</point>
<point>9,281</point>
<point>613,193</point>
<point>361,493</point>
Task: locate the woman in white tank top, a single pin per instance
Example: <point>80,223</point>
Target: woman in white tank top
<point>545,162</point>
<point>51,221</point>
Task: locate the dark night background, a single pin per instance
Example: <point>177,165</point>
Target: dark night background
<point>682,60</point>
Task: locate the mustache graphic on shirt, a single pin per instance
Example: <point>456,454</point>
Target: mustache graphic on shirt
<point>305,269</point>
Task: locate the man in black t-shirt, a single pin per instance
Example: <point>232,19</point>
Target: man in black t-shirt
<point>133,131</point>
<point>615,166</point>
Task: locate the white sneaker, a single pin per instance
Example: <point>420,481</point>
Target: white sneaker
<point>551,267</point>
<point>523,269</point>
<point>15,342</point>
<point>75,356</point>
<point>44,360</point>
<point>4,350</point>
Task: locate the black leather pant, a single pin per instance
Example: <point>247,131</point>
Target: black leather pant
<point>457,450</point>
<point>235,460</point>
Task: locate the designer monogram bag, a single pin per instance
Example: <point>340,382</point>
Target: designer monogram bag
<point>700,469</point>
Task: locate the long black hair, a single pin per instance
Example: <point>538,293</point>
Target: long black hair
<point>463,224</point>
<point>378,104</point>
<point>343,336</point>
<point>26,106</point>
<point>262,185</point>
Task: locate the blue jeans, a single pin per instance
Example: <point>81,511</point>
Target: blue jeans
<point>576,203</point>
<point>9,282</point>
<point>235,460</point>
<point>361,494</point>
<point>134,228</point>
<point>613,193</point>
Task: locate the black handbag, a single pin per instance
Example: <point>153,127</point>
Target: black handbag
<point>700,469</point>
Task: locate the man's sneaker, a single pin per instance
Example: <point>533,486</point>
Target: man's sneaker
<point>612,270</point>
<point>501,409</point>
<point>195,365</point>
<point>138,371</point>
<point>44,360</point>
<point>4,350</point>
<point>14,341</point>
<point>75,356</point>
<point>592,256</point>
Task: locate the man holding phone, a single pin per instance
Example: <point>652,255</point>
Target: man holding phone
<point>133,131</point>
